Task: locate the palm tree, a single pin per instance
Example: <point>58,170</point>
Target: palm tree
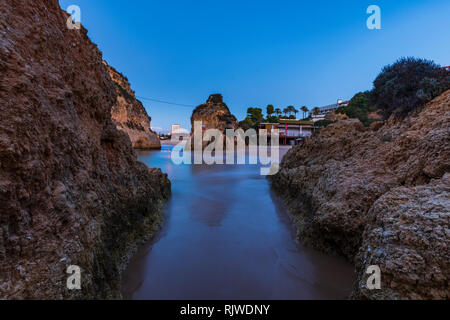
<point>286,111</point>
<point>278,112</point>
<point>316,111</point>
<point>292,110</point>
<point>295,111</point>
<point>305,110</point>
<point>270,110</point>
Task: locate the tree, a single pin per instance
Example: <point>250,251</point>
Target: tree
<point>305,111</point>
<point>359,107</point>
<point>295,111</point>
<point>408,84</point>
<point>278,112</point>
<point>255,114</point>
<point>246,124</point>
<point>254,118</point>
<point>286,111</point>
<point>316,111</point>
<point>324,123</point>
<point>273,119</point>
<point>270,110</point>
<point>290,110</point>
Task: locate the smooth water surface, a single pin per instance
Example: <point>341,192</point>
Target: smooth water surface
<point>227,236</point>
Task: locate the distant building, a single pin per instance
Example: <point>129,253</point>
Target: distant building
<point>176,132</point>
<point>328,109</point>
<point>176,128</point>
<point>291,131</point>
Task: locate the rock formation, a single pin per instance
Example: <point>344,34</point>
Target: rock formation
<point>333,116</point>
<point>130,116</point>
<point>215,114</point>
<point>378,196</point>
<point>71,189</point>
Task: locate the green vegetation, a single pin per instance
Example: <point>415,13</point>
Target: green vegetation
<point>324,123</point>
<point>255,116</point>
<point>270,110</point>
<point>273,119</point>
<point>305,111</point>
<point>359,108</point>
<point>124,93</point>
<point>400,88</point>
<point>408,84</point>
<point>278,112</point>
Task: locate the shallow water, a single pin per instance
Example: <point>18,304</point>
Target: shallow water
<point>227,236</point>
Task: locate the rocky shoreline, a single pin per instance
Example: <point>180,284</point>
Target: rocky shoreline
<point>378,196</point>
<point>71,189</point>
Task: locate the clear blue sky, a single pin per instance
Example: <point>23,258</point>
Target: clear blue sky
<point>258,52</point>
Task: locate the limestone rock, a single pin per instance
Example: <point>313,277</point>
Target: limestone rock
<point>130,116</point>
<point>215,114</point>
<point>408,237</point>
<point>342,190</point>
<point>71,189</point>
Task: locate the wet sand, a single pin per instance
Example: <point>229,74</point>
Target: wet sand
<point>226,236</point>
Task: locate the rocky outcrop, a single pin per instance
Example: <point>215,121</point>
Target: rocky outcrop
<point>215,114</point>
<point>333,116</point>
<point>71,189</point>
<point>408,236</point>
<point>129,114</point>
<point>378,196</point>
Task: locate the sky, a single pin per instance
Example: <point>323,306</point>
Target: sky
<point>257,53</point>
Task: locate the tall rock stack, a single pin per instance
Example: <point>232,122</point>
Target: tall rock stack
<point>129,114</point>
<point>71,189</point>
<point>215,114</point>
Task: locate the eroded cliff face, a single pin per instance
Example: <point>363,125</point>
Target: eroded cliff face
<point>215,114</point>
<point>379,196</point>
<point>129,114</point>
<point>71,189</point>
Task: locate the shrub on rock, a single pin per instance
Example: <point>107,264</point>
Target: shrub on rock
<point>408,84</point>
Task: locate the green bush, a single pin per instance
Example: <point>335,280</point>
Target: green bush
<point>359,108</point>
<point>324,123</point>
<point>254,118</point>
<point>273,119</point>
<point>408,84</point>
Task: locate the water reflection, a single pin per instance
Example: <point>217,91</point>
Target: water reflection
<point>227,237</point>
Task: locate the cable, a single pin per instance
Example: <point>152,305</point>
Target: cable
<point>166,102</point>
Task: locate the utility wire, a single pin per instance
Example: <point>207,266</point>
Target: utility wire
<point>166,102</point>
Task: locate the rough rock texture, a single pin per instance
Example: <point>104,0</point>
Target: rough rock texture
<point>333,116</point>
<point>409,238</point>
<point>215,114</point>
<point>377,196</point>
<point>71,190</point>
<point>130,116</point>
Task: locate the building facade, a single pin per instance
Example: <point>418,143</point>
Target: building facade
<point>175,129</point>
<point>291,131</point>
<point>328,109</point>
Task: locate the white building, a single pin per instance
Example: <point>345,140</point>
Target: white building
<point>176,129</point>
<point>291,131</point>
<point>177,132</point>
<point>328,109</point>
